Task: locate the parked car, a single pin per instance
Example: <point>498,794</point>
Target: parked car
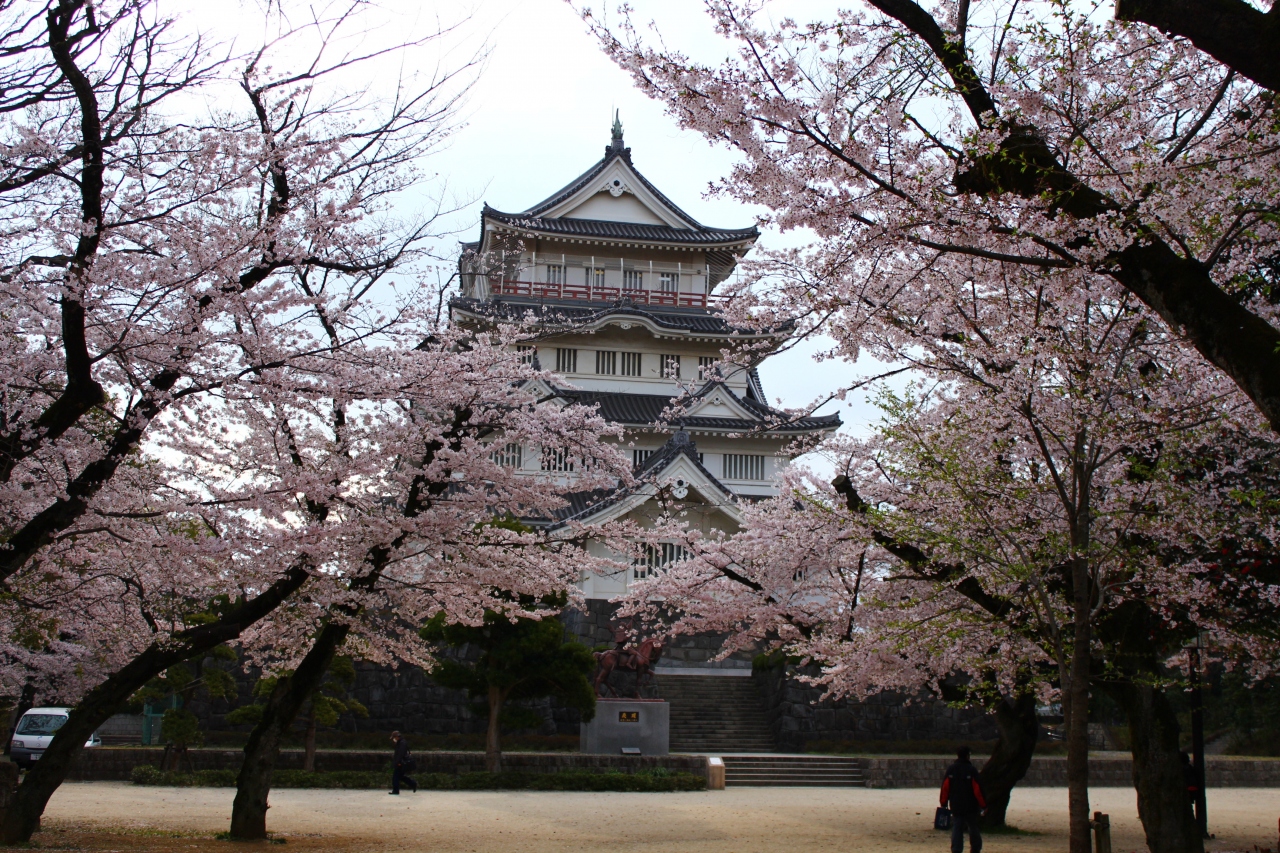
<point>34,732</point>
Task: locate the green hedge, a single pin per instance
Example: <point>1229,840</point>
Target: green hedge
<point>659,779</point>
<point>145,774</point>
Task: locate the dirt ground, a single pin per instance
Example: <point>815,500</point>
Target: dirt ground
<point>116,816</point>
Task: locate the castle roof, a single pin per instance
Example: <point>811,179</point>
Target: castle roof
<point>566,215</point>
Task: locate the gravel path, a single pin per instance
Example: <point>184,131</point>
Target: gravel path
<point>740,820</point>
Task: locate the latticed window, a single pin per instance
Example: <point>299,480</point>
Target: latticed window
<point>555,273</point>
<point>639,456</point>
<point>509,455</point>
<point>743,466</point>
<point>707,367</point>
<point>566,360</point>
<point>631,364</point>
<point>606,362</point>
<point>595,277</point>
<point>556,459</point>
<point>668,282</point>
<point>670,365</point>
<point>657,557</point>
<point>632,280</point>
<point>527,352</point>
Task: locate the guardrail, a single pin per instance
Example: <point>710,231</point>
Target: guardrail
<point>596,293</point>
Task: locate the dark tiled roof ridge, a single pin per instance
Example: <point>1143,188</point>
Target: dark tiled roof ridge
<point>586,177</point>
<point>586,504</point>
<point>636,231</point>
<point>639,409</point>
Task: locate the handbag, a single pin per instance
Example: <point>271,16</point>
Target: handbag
<point>942,818</point>
<point>409,765</point>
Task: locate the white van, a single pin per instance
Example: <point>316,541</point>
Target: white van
<point>35,731</point>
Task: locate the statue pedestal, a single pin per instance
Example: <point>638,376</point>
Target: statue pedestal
<point>623,725</point>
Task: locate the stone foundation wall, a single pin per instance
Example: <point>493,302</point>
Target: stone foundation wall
<point>798,715</point>
<point>406,699</point>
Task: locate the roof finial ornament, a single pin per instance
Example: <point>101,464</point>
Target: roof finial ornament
<point>616,146</point>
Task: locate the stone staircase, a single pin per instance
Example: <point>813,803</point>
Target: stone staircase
<point>715,714</point>
<point>811,771</point>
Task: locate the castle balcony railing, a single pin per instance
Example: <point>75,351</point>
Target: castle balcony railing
<point>600,293</point>
<point>595,279</point>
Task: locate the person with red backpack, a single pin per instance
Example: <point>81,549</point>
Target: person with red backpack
<point>962,793</point>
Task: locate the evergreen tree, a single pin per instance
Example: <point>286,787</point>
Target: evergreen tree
<point>519,659</point>
<point>325,707</point>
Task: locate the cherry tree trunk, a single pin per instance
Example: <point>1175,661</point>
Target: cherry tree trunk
<point>1011,757</point>
<point>23,818</point>
<point>1164,806</point>
<point>26,701</point>
<point>253,784</point>
<point>309,743</point>
<point>493,737</point>
<point>1076,710</point>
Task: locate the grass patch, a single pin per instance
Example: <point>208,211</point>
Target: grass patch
<point>656,780</point>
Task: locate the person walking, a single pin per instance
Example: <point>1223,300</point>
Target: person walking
<point>961,789</point>
<point>402,764</point>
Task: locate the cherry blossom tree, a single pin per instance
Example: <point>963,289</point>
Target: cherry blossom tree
<point>228,412</point>
<point>403,473</point>
<point>913,138</point>
<point>1011,517</point>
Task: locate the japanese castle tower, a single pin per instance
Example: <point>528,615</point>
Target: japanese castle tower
<point>626,283</point>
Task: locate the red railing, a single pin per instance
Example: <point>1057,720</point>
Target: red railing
<point>546,290</point>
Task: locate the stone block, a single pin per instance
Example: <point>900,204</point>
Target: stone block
<point>628,724</point>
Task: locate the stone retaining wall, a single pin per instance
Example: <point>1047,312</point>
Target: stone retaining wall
<point>116,764</point>
<point>798,714</point>
<point>1051,772</point>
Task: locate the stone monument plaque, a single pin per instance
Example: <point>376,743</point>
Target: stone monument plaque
<point>622,726</point>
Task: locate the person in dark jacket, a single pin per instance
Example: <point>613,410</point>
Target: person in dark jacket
<point>401,764</point>
<point>962,793</point>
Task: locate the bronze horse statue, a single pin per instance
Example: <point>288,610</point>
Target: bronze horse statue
<point>638,659</point>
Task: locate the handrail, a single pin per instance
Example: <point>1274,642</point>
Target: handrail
<point>551,290</point>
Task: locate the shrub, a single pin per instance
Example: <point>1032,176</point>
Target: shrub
<point>145,774</point>
<point>658,779</point>
<point>352,779</point>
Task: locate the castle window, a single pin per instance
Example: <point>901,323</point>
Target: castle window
<point>606,362</point>
<point>670,365</point>
<point>555,273</point>
<point>707,367</point>
<point>743,466</point>
<point>566,360</point>
<point>657,557</point>
<point>631,364</point>
<point>595,277</point>
<point>556,459</point>
<point>639,456</point>
<point>668,282</point>
<point>509,456</point>
<point>526,352</point>
<point>632,280</point>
